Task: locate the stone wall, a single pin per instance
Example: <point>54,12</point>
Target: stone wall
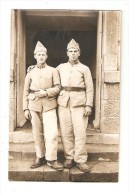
<point>110,94</point>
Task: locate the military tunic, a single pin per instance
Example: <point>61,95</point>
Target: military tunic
<point>43,110</point>
<point>46,78</point>
<point>71,109</point>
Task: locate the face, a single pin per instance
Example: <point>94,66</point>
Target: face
<point>40,57</point>
<point>73,54</point>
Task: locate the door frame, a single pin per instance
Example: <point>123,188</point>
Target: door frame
<point>20,56</point>
<point>96,122</point>
<point>21,64</point>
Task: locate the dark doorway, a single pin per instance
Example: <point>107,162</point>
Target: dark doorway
<point>56,44</point>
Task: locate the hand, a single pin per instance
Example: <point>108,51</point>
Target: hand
<point>27,114</point>
<point>41,93</point>
<point>88,111</point>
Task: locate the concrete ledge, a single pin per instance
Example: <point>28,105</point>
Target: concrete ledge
<point>93,136</point>
<point>95,151</point>
<point>21,136</point>
<point>112,76</point>
<point>20,171</point>
<point>101,172</point>
<point>52,175</point>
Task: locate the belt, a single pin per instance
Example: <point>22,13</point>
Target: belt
<point>73,88</point>
<point>33,91</point>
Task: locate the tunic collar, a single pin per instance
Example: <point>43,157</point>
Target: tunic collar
<point>74,63</point>
<point>41,66</point>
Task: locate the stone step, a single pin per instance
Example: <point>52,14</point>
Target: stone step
<point>24,135</point>
<point>101,152</point>
<point>19,170</point>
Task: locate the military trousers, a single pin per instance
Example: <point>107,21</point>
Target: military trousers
<point>73,132</point>
<point>45,133</point>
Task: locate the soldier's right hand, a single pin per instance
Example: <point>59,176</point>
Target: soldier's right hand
<point>27,114</point>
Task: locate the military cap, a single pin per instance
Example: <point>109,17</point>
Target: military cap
<point>73,44</point>
<point>39,47</point>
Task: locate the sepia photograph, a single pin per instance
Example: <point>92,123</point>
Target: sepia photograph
<point>64,103</point>
<point>64,95</point>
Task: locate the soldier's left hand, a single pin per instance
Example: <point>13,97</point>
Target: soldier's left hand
<point>88,111</point>
<point>41,93</point>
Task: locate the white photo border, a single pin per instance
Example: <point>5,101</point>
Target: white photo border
<point>21,188</point>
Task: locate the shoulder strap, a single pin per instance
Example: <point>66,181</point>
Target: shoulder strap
<point>30,68</point>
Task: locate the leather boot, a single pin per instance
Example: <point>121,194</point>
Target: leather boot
<point>55,165</point>
<point>83,167</point>
<point>38,162</point>
<point>68,163</point>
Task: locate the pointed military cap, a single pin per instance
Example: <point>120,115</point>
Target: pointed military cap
<point>73,44</point>
<point>39,47</point>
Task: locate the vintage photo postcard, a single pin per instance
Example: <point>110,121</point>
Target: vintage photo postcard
<point>98,36</point>
<point>65,73</point>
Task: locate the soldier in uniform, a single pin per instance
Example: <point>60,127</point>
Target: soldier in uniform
<point>42,86</point>
<point>75,102</point>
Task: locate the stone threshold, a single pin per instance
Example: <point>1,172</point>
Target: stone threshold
<point>100,152</point>
<point>100,172</point>
<point>23,136</point>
